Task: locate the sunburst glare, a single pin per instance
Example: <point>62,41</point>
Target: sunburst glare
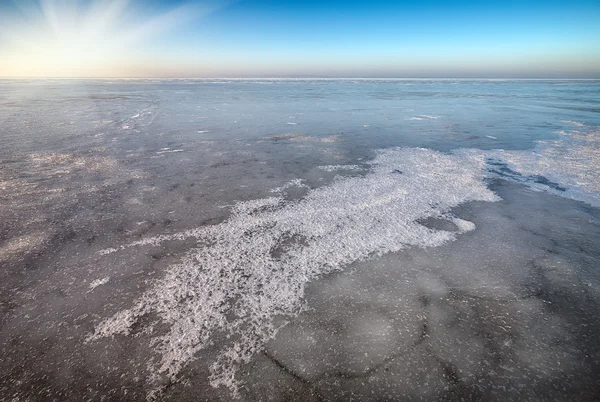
<point>55,38</point>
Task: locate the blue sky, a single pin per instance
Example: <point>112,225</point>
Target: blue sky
<point>310,38</point>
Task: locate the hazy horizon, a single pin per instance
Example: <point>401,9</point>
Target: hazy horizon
<point>308,77</point>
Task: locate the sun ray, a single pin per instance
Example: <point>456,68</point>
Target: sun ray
<point>74,38</point>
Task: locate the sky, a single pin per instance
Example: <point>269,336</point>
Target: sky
<point>287,38</point>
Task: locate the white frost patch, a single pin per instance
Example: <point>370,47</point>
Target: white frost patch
<point>463,225</point>
<point>572,161</point>
<point>423,117</point>
<point>98,282</point>
<point>293,183</point>
<point>23,245</point>
<point>255,265</point>
<point>108,251</point>
<point>334,168</point>
<point>574,123</point>
<point>303,138</point>
<point>168,151</point>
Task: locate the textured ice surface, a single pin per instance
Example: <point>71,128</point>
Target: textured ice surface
<point>293,183</point>
<point>255,266</point>
<point>482,317</point>
<point>333,168</point>
<point>303,138</point>
<point>572,162</point>
<point>506,311</point>
<point>423,117</point>
<point>234,284</point>
<point>94,284</point>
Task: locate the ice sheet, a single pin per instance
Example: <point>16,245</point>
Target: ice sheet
<point>255,266</point>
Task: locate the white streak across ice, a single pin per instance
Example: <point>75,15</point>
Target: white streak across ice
<point>255,265</point>
<point>94,284</point>
<point>298,183</point>
<point>335,168</point>
<point>423,117</point>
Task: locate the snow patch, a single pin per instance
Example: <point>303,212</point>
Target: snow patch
<point>98,282</point>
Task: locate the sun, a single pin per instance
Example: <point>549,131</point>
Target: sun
<point>58,38</point>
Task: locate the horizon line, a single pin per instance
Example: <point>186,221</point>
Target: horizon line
<point>323,78</point>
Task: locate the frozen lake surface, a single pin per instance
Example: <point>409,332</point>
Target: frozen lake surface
<point>299,240</point>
